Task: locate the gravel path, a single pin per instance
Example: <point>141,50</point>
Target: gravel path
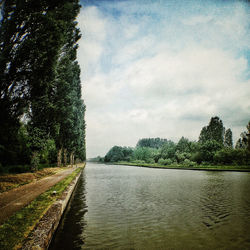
<point>15,199</point>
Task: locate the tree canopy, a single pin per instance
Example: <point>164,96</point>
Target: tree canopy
<point>213,147</point>
<point>40,82</point>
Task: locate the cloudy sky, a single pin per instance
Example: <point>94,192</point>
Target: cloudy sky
<point>162,68</point>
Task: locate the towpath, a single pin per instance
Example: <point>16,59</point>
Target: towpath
<point>15,199</point>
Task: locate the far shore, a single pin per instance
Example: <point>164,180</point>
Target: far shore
<point>182,167</point>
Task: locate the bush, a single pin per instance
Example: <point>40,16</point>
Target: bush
<point>144,154</point>
<point>224,156</point>
<point>232,156</point>
<point>180,157</point>
<point>165,161</point>
<point>188,163</point>
<point>208,150</point>
<point>196,157</point>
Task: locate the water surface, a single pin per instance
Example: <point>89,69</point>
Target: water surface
<point>124,207</point>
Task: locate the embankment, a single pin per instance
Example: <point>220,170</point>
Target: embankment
<point>183,167</point>
<point>33,226</point>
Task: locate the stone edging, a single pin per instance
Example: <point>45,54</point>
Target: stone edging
<point>42,234</point>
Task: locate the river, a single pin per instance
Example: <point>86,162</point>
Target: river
<point>125,207</point>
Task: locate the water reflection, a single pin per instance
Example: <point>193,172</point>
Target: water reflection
<point>140,208</point>
<point>70,231</point>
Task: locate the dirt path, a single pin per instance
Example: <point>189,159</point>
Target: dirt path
<point>15,199</point>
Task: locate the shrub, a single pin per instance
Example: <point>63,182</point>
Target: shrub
<point>208,150</point>
<point>165,161</point>
<point>188,163</point>
<point>196,157</point>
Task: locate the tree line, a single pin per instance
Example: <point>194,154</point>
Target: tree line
<point>42,111</point>
<point>214,146</point>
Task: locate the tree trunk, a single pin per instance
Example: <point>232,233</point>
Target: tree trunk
<point>65,157</point>
<point>59,157</point>
<point>35,161</point>
<point>72,159</point>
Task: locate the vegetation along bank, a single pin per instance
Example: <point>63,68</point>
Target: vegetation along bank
<point>34,225</point>
<point>213,150</point>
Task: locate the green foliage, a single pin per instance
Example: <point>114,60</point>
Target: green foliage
<point>35,160</point>
<point>168,150</point>
<point>242,141</point>
<point>162,161</point>
<point>228,140</point>
<point>248,137</point>
<point>180,157</point>
<point>40,82</point>
<point>15,230</point>
<point>117,153</point>
<point>208,149</point>
<point>145,154</point>
<point>214,131</point>
<point>139,161</point>
<point>232,156</point>
<point>188,163</point>
<point>183,145</point>
<point>151,142</point>
<point>48,154</point>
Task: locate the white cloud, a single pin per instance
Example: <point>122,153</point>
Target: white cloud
<point>197,20</point>
<point>164,78</point>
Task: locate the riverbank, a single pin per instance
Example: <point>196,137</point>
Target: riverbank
<point>44,213</point>
<point>11,181</point>
<point>183,167</point>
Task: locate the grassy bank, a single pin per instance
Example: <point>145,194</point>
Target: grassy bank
<point>10,181</point>
<point>14,231</point>
<point>181,166</point>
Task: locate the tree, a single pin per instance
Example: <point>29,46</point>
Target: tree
<point>248,137</point>
<point>208,150</point>
<point>228,140</point>
<point>145,154</point>
<point>242,141</point>
<point>117,153</point>
<point>151,142</point>
<point>37,65</point>
<point>183,145</point>
<point>168,150</point>
<point>114,154</point>
<point>214,131</point>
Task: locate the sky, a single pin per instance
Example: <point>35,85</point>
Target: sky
<point>162,68</point>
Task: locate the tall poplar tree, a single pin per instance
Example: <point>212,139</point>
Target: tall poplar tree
<point>38,64</point>
<point>214,131</point>
<point>228,140</point>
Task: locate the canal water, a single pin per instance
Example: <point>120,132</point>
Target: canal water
<point>125,207</point>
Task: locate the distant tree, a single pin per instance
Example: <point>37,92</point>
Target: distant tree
<point>228,140</point>
<point>117,153</point>
<point>214,131</point>
<point>242,141</point>
<point>248,137</point>
<point>145,154</point>
<point>183,145</point>
<point>208,150</point>
<point>168,150</point>
<point>151,142</point>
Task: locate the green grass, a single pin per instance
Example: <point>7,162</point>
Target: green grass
<point>14,231</point>
<point>180,166</point>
